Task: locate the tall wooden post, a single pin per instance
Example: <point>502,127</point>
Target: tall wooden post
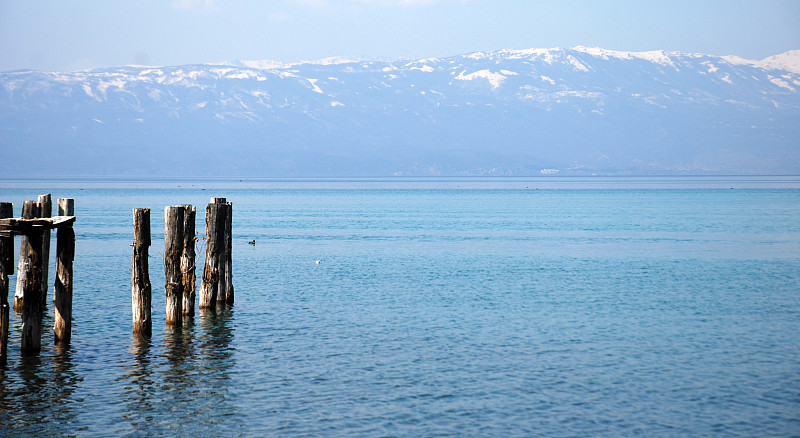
<point>228,256</point>
<point>222,288</point>
<point>30,210</point>
<point>4,317</point>
<point>32,305</point>
<point>215,226</point>
<point>6,269</point>
<point>45,210</point>
<point>173,249</point>
<point>141,292</point>
<point>188,260</point>
<point>62,292</point>
<point>7,243</point>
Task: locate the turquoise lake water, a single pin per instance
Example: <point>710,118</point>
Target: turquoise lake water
<point>440,307</point>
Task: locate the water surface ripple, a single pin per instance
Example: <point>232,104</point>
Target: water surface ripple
<point>495,310</point>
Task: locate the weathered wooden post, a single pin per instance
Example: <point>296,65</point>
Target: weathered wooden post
<point>7,243</point>
<point>6,269</point>
<point>31,278</point>
<point>62,292</point>
<point>66,207</point>
<point>141,292</point>
<point>173,249</point>
<point>228,256</point>
<point>4,316</point>
<point>45,203</point>
<point>222,288</point>
<point>188,260</point>
<point>215,226</point>
<point>30,210</point>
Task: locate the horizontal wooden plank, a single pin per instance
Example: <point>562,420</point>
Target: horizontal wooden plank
<point>18,225</point>
<point>60,221</point>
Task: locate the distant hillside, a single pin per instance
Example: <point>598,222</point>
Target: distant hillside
<point>511,112</point>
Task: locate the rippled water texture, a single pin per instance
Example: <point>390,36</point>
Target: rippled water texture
<point>472,307</point>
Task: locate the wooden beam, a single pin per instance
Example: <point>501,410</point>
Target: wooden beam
<point>18,226</point>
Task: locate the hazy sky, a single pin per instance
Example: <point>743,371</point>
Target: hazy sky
<point>69,35</point>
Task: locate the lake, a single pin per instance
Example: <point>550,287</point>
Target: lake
<point>550,306</point>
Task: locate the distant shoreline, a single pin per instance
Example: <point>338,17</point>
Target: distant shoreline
<point>559,182</point>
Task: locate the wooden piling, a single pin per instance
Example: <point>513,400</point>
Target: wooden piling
<point>188,260</point>
<point>222,288</point>
<point>62,292</point>
<point>45,203</point>
<point>228,256</point>
<point>66,207</point>
<point>6,269</point>
<point>215,226</point>
<point>7,243</point>
<point>31,279</point>
<point>141,291</point>
<point>30,210</point>
<point>173,250</point>
<point>4,315</point>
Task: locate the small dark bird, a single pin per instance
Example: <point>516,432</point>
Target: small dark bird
<point>252,242</point>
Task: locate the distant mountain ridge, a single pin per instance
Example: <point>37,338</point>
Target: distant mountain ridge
<point>578,111</point>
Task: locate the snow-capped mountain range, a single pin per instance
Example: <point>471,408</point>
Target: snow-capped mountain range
<point>509,112</point>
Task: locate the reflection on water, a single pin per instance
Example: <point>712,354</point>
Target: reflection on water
<point>65,383</point>
<point>38,391</point>
<point>218,334</point>
<point>176,383</point>
<point>37,395</point>
<point>139,384</point>
<point>185,374</point>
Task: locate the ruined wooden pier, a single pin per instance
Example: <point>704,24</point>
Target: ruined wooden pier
<point>180,263</point>
<point>30,297</point>
<point>34,227</point>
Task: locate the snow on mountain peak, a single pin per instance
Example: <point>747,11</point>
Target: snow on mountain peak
<point>542,107</point>
<point>738,60</point>
<point>264,64</point>
<point>495,79</point>
<point>268,64</point>
<point>141,66</point>
<point>546,55</point>
<point>656,56</point>
<point>333,60</point>
<point>789,61</point>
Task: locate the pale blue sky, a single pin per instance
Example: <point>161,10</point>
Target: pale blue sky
<point>68,35</point>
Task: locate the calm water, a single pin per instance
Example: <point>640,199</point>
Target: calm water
<point>455,307</point>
